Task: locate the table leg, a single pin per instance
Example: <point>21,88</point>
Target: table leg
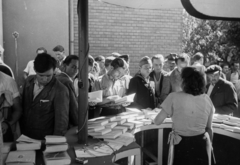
<point>160,146</point>
<point>142,146</point>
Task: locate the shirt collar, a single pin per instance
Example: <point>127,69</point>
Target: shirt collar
<point>68,76</point>
<point>37,83</point>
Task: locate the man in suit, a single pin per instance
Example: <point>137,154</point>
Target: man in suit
<point>66,77</point>
<point>222,92</point>
<point>173,80</point>
<point>158,75</point>
<point>45,101</point>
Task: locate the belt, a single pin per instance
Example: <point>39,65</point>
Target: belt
<point>174,139</point>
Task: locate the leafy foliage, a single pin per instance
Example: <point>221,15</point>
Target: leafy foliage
<point>216,39</point>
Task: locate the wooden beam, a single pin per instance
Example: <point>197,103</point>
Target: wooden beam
<point>83,70</point>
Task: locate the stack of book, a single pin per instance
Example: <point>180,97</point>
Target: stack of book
<point>25,153</point>
<point>56,151</point>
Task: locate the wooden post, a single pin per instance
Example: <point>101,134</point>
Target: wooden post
<point>83,70</point>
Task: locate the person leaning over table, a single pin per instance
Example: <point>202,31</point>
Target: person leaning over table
<point>142,86</point>
<point>45,101</point>
<point>222,92</point>
<point>111,85</point>
<point>191,111</point>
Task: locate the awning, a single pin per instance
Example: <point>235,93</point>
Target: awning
<point>204,9</point>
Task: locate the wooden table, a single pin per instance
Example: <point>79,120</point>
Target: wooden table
<point>132,149</point>
<point>226,144</point>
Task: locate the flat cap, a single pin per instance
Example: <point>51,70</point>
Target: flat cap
<point>213,69</point>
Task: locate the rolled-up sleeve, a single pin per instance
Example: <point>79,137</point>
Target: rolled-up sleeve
<point>61,108</point>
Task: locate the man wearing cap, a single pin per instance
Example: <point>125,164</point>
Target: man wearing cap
<point>101,61</point>
<point>142,86</point>
<point>222,92</point>
<point>171,58</point>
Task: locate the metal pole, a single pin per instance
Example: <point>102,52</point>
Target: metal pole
<point>83,70</point>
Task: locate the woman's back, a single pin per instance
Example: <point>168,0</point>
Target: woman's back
<point>189,113</point>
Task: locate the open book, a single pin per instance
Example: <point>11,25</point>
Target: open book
<point>95,97</point>
<point>26,143</point>
<point>21,157</point>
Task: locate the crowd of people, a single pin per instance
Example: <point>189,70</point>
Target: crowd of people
<point>186,90</point>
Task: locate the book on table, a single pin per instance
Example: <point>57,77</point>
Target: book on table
<point>53,139</point>
<point>95,128</point>
<point>120,121</point>
<point>60,147</point>
<point>123,129</point>
<point>124,139</point>
<point>100,132</point>
<point>21,157</point>
<point>128,125</point>
<point>111,135</point>
<point>26,143</point>
<point>111,125</point>
<point>57,158</point>
<point>98,122</point>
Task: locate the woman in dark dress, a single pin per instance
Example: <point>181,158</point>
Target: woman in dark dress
<point>191,111</point>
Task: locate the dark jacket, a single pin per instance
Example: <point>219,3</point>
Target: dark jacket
<point>73,102</point>
<point>162,85</point>
<point>224,97</point>
<point>145,97</point>
<point>48,113</point>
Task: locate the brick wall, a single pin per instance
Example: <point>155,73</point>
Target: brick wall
<point>131,31</point>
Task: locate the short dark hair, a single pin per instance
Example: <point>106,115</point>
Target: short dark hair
<point>41,48</point>
<point>44,62</point>
<point>118,63</point>
<point>58,48</point>
<point>224,64</point>
<point>100,58</point>
<point>69,59</point>
<point>197,56</point>
<point>193,81</point>
<point>108,61</point>
<point>90,60</point>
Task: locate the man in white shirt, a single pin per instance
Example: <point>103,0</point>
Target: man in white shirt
<point>235,74</point>
<point>29,70</point>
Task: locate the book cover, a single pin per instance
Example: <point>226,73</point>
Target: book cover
<point>56,148</point>
<point>100,132</point>
<point>111,125</point>
<point>59,158</point>
<point>21,157</point>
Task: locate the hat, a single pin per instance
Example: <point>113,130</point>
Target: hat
<point>125,57</point>
<point>213,69</point>
<point>171,57</point>
<point>116,54</point>
<point>145,60</point>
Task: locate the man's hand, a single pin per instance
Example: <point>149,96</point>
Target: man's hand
<point>92,103</point>
<point>4,127</point>
<point>126,104</point>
